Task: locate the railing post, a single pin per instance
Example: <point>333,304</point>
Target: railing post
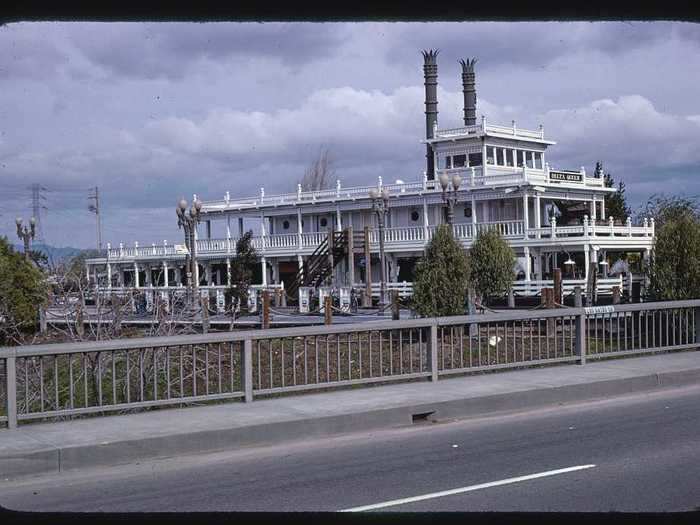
<point>581,336</point>
<point>615,295</point>
<point>395,305</point>
<point>11,390</point>
<point>434,352</point>
<point>265,310</point>
<point>248,370</point>
<point>328,309</point>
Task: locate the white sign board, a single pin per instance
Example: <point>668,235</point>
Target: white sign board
<point>599,309</point>
<point>252,300</point>
<point>220,302</point>
<point>181,249</point>
<point>345,299</point>
<point>304,300</point>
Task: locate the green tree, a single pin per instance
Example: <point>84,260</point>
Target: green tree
<point>441,277</point>
<point>674,267</point>
<point>492,262</point>
<point>22,290</point>
<point>616,203</point>
<point>242,267</point>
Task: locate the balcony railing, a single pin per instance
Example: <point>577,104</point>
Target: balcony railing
<point>409,236</point>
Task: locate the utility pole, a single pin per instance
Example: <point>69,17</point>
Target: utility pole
<point>95,208</point>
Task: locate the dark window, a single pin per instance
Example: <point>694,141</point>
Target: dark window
<point>448,162</point>
<point>499,157</point>
<point>475,159</point>
<point>467,211</point>
<point>520,158</point>
<point>459,161</point>
<point>509,157</point>
<point>528,159</point>
<point>415,215</point>
<point>285,224</point>
<point>324,222</point>
<point>490,156</point>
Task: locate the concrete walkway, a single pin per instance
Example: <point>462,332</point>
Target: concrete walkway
<point>40,448</point>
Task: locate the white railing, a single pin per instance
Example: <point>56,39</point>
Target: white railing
<point>490,128</point>
<point>532,288</point>
<point>512,229</point>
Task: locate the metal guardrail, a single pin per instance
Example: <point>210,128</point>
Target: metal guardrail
<point>68,379</point>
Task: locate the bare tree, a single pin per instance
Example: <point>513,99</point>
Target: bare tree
<point>319,173</point>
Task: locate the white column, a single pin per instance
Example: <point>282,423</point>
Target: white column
<point>538,214</point>
<point>228,226</point>
<point>263,263</point>
<point>300,261</point>
<point>425,219</point>
<point>526,213</point>
<point>586,261</point>
<point>594,212</point>
<point>299,226</point>
<point>602,207</point>
<point>228,271</point>
<point>484,170</point>
<point>166,281</point>
<point>338,222</point>
<point>109,275</point>
<point>526,251</point>
<point>136,275</point>
<point>262,231</point>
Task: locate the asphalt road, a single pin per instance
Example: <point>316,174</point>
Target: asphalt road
<point>633,454</point>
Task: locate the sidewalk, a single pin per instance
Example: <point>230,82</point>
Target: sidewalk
<point>40,448</point>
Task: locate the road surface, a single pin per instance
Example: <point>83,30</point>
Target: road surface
<point>632,454</point>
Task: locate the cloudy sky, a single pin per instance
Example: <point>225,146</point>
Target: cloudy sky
<point>150,112</point>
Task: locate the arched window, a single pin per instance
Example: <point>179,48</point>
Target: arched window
<point>415,215</point>
<point>324,222</point>
<point>285,224</point>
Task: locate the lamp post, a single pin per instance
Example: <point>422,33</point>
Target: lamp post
<point>26,234</point>
<point>188,222</point>
<point>380,205</point>
<point>450,197</point>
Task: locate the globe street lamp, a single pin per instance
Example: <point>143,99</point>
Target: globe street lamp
<point>188,222</point>
<point>26,234</point>
<point>450,197</point>
<point>380,205</point>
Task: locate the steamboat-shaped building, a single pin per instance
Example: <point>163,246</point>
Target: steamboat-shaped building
<point>504,182</point>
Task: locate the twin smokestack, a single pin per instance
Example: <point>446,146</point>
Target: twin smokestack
<point>431,112</point>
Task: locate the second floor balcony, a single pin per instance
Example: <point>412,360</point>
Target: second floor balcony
<point>405,238</point>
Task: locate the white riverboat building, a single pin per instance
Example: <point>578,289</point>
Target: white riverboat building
<point>506,183</point>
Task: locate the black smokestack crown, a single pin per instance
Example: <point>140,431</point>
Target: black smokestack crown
<point>431,112</point>
<point>469,90</point>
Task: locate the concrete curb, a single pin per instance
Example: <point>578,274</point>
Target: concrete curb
<point>48,459</point>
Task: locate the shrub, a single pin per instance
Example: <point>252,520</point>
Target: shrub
<point>491,262</point>
<point>441,277</point>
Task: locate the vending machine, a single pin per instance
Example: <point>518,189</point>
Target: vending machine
<point>322,294</point>
<point>252,300</point>
<point>220,302</point>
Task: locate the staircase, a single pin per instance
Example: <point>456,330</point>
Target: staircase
<point>320,263</point>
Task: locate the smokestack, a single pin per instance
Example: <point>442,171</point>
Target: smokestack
<point>430,74</point>
<point>469,90</point>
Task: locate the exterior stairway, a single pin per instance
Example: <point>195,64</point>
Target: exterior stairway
<point>320,264</point>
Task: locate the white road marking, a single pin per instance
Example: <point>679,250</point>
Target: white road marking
<point>467,489</point>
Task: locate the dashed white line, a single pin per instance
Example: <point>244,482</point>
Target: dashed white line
<point>470,488</point>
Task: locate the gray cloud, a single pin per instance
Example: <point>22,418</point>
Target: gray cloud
<point>152,112</point>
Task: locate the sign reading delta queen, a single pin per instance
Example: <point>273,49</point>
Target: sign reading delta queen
<point>566,176</point>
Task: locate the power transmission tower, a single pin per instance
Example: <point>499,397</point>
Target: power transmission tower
<point>37,207</point>
<point>95,208</point>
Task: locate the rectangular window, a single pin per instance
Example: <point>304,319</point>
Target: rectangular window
<point>459,161</point>
<point>519,154</point>
<point>509,157</point>
<point>475,159</point>
<point>538,160</point>
<point>528,157</point>
<point>448,162</point>
<point>490,155</point>
<point>499,157</point>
